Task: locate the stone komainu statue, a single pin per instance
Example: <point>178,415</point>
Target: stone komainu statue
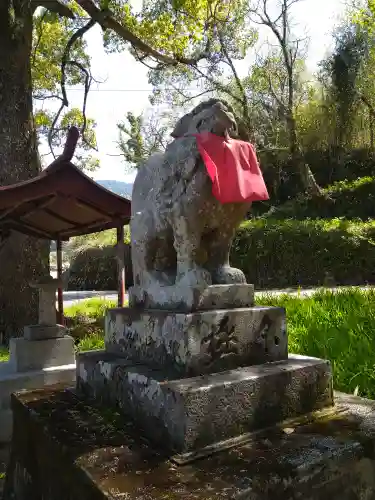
<point>180,234</point>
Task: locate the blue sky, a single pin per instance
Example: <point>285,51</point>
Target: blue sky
<point>125,86</point>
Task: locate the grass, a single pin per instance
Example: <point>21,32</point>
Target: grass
<point>335,326</point>
<point>338,327</point>
<point>93,308</point>
<point>88,329</point>
<point>4,355</point>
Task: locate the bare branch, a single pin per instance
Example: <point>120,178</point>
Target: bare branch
<point>88,80</point>
<point>43,97</point>
<point>52,129</point>
<point>53,6</point>
<point>188,99</point>
<point>64,99</point>
<point>40,34</point>
<point>235,75</point>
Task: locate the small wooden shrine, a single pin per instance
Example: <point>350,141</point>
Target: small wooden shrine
<point>63,202</point>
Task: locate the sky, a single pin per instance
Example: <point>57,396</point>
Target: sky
<point>125,87</point>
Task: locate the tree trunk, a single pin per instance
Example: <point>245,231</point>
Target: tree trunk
<point>299,165</point>
<point>22,259</point>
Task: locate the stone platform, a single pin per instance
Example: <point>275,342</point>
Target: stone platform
<point>103,456</point>
<point>194,299</point>
<point>198,342</point>
<point>34,364</point>
<point>191,413</point>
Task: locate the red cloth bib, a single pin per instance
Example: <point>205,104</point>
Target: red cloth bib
<point>233,167</point>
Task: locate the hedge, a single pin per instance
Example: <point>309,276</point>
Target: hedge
<point>348,199</point>
<point>96,269</point>
<point>282,253</point>
<point>273,253</point>
<point>284,185</point>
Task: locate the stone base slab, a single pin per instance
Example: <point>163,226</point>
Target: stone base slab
<point>11,382</point>
<point>187,414</point>
<point>201,342</point>
<point>43,332</point>
<point>28,355</point>
<point>108,457</point>
<point>212,297</point>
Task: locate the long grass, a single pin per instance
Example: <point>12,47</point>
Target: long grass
<point>336,326</point>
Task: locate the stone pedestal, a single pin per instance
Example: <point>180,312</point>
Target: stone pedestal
<point>47,299</point>
<point>43,332</point>
<point>200,342</point>
<point>26,355</point>
<point>195,379</point>
<point>191,413</point>
<point>193,299</point>
<point>44,356</point>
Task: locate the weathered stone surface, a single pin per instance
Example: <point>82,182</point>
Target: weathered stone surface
<point>180,234</point>
<point>14,381</point>
<point>26,355</point>
<point>43,332</point>
<point>321,458</point>
<point>211,298</point>
<point>192,413</point>
<point>47,299</point>
<point>200,342</point>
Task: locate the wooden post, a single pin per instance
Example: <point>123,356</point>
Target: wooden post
<point>60,300</point>
<point>121,266</point>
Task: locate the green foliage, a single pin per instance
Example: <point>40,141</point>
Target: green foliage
<point>86,322</point>
<point>50,37</point>
<point>94,240</point>
<point>4,354</point>
<point>338,327</point>
<point>344,67</point>
<point>93,308</point>
<point>304,252</point>
<point>95,268</point>
<point>131,142</point>
<point>347,199</point>
<point>222,34</point>
<point>91,342</point>
<point>139,139</point>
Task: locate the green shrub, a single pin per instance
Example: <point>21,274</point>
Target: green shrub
<point>4,354</point>
<point>93,308</point>
<point>348,199</point>
<point>91,342</point>
<point>328,167</point>
<point>95,268</point>
<point>85,320</point>
<point>281,253</point>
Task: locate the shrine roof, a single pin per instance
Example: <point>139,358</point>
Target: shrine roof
<point>61,202</point>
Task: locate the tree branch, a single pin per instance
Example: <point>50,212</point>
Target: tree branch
<point>107,20</point>
<point>235,75</point>
<point>64,99</point>
<point>53,6</point>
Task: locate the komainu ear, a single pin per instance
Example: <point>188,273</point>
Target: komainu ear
<point>181,126</point>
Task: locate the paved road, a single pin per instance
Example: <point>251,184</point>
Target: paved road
<point>71,298</point>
